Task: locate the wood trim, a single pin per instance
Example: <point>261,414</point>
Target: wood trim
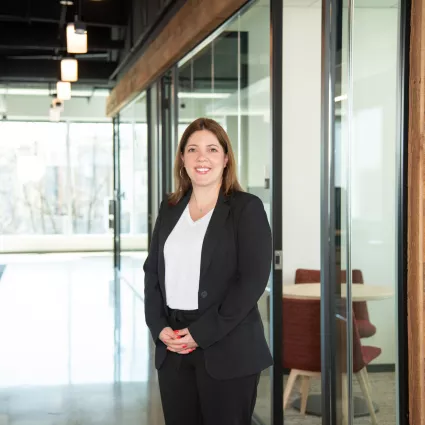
<point>189,26</point>
<point>416,181</point>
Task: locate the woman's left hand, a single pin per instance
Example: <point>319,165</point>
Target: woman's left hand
<point>183,344</point>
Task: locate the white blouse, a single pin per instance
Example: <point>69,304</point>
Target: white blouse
<point>182,253</point>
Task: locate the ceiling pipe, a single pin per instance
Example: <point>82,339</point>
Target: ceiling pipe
<point>29,20</point>
<point>148,35</point>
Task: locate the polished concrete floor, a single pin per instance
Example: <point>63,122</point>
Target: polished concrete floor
<point>68,356</point>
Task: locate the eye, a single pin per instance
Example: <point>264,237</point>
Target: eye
<point>191,150</point>
<point>214,150</point>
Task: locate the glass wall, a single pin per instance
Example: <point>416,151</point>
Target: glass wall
<point>339,216</point>
<point>365,147</point>
<point>228,79</point>
<point>90,176</point>
<point>133,174</point>
<point>340,272</point>
<point>33,170</point>
<point>59,179</point>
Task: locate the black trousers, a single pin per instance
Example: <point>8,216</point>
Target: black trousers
<point>190,396</point>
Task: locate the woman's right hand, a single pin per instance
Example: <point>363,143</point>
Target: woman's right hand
<point>167,335</point>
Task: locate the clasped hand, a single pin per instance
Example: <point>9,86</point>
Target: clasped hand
<point>180,342</point>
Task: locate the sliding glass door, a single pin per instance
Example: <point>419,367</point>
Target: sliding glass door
<point>361,264</point>
<point>228,78</point>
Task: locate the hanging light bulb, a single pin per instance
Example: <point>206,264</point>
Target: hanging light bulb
<point>63,90</point>
<point>69,69</point>
<point>76,37</point>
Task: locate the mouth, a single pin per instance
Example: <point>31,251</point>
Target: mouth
<point>202,170</point>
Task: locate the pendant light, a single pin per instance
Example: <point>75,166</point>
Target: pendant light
<point>76,34</point>
<point>76,37</point>
<point>63,90</point>
<point>69,69</point>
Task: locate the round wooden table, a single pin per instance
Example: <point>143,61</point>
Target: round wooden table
<point>359,292</point>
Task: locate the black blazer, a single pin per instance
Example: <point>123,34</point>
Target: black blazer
<point>235,267</point>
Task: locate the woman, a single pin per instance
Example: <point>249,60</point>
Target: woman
<point>208,264</point>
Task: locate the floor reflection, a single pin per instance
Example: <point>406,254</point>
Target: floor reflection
<point>383,389</point>
<point>62,359</point>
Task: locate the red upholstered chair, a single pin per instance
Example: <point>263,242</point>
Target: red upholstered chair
<point>301,350</point>
<point>366,328</point>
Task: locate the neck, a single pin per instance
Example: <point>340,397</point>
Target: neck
<point>206,195</point>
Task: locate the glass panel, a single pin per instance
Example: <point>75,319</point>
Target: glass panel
<point>33,172</point>
<point>134,192</point>
<point>91,176</point>
<point>243,80</point>
<point>343,306</point>
<point>246,113</point>
<point>229,80</point>
<point>373,202</point>
<point>195,88</point>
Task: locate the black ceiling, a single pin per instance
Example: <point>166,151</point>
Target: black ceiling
<point>32,39</point>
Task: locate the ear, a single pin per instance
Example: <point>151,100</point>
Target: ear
<point>226,159</point>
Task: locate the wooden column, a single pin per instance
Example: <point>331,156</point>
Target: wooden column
<point>416,231</point>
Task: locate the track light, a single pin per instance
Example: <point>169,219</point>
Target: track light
<point>69,69</point>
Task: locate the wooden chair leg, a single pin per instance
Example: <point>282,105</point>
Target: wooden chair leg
<point>364,382</point>
<point>305,388</point>
<point>289,387</point>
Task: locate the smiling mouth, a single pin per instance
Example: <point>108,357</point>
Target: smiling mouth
<point>202,170</point>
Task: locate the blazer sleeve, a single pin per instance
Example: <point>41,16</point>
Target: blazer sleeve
<point>254,245</point>
<point>154,301</point>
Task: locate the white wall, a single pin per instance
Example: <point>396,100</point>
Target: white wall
<point>373,199</point>
<point>301,140</point>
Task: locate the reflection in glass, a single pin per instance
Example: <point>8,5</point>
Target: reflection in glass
<point>229,81</point>
<point>365,161</point>
<point>134,192</point>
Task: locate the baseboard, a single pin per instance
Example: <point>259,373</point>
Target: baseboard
<point>380,368</point>
<point>373,368</point>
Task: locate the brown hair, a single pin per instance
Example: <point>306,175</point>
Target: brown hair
<point>182,181</point>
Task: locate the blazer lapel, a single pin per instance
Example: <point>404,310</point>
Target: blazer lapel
<point>214,231</point>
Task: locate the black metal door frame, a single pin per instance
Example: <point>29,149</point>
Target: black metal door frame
<point>166,102</point>
<point>116,202</point>
<point>402,164</point>
<point>276,324</point>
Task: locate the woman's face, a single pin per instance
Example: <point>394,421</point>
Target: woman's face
<point>204,159</point>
